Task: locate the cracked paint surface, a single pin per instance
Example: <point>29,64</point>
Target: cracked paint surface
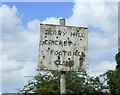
<point>62,48</point>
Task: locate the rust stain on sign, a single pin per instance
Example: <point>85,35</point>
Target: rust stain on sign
<point>62,48</point>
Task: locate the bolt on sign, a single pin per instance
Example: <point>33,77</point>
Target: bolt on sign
<point>62,48</point>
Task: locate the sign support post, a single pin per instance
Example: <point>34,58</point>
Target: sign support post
<point>63,73</point>
<point>62,48</point>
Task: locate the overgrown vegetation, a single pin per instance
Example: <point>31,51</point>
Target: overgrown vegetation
<point>83,84</point>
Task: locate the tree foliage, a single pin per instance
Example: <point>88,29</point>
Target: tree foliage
<point>114,82</point>
<point>75,83</point>
<point>83,84</point>
<point>113,77</point>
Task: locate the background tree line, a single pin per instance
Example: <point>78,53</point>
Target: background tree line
<point>77,83</point>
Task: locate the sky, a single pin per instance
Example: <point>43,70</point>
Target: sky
<point>21,29</point>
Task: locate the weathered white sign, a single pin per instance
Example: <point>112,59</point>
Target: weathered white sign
<point>62,48</point>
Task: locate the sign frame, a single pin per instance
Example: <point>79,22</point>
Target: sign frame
<point>52,43</point>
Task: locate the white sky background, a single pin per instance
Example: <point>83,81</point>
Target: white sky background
<point>22,42</point>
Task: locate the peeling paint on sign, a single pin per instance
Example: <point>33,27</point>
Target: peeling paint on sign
<point>62,48</point>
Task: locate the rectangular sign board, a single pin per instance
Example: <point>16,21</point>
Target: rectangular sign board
<point>62,48</point>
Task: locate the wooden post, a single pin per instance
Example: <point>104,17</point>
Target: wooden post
<point>63,73</point>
